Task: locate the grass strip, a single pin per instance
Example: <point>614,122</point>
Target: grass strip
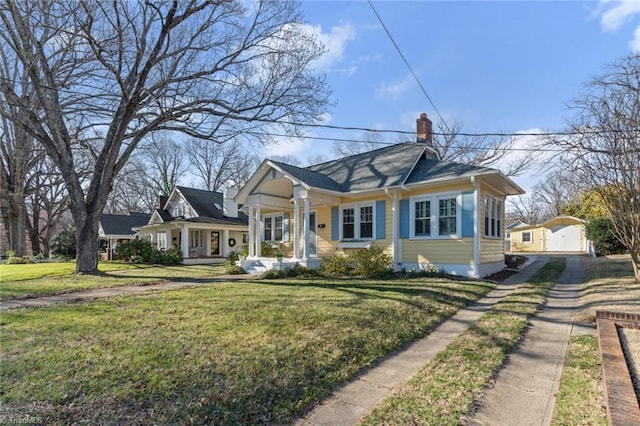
<point>580,400</point>
<point>23,281</point>
<point>443,390</point>
<point>231,353</point>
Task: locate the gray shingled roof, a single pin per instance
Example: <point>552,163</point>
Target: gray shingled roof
<point>116,224</point>
<point>389,166</point>
<point>202,202</point>
<point>429,169</point>
<point>311,178</point>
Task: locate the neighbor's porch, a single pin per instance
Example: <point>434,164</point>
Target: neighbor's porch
<point>197,243</point>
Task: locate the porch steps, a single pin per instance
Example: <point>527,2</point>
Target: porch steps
<point>255,267</point>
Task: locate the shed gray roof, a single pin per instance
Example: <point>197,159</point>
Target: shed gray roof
<point>116,224</point>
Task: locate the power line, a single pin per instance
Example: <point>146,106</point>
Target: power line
<point>415,77</point>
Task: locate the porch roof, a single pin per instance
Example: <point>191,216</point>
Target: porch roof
<point>117,224</point>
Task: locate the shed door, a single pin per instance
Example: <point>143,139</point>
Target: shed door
<point>564,238</point>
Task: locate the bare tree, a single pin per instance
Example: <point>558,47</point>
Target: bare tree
<point>109,74</point>
<point>166,162</point>
<point>240,171</point>
<point>212,163</point>
<point>19,154</point>
<point>287,159</point>
<point>47,204</point>
<point>526,209</point>
<point>557,193</point>
<point>486,151</point>
<point>604,147</point>
<point>133,190</point>
<point>368,142</point>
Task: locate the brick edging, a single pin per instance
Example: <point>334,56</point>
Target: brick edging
<point>621,399</point>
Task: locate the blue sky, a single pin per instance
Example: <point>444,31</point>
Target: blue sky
<point>501,66</point>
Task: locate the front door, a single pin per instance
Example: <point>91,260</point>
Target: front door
<point>215,243</point>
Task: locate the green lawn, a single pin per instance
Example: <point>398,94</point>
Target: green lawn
<point>443,391</point>
<point>608,285</point>
<point>50,278</point>
<point>229,353</point>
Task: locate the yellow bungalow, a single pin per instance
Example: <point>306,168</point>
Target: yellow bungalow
<point>560,234</point>
<point>403,198</point>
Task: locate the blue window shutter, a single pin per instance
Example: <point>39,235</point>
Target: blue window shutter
<point>285,227</point>
<point>335,224</point>
<point>380,220</point>
<point>404,219</point>
<point>467,215</point>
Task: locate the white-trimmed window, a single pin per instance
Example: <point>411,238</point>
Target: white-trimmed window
<point>162,240</point>
<point>492,217</point>
<point>422,221</point>
<point>195,238</point>
<point>272,227</point>
<point>527,237</point>
<point>447,216</point>
<point>357,222</point>
<point>436,216</point>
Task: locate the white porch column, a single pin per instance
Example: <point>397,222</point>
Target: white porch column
<point>154,238</point>
<point>225,243</point>
<point>296,229</point>
<point>395,211</point>
<point>252,231</point>
<point>259,232</point>
<point>305,229</point>
<point>185,242</point>
<point>206,234</point>
<point>168,241</point>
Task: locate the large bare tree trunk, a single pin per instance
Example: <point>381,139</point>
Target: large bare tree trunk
<point>106,76</point>
<point>87,244</point>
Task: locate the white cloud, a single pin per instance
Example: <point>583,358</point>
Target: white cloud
<point>528,149</point>
<point>396,88</point>
<point>335,42</point>
<point>635,43</point>
<point>614,14</point>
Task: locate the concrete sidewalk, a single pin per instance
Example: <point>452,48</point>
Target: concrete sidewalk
<point>524,391</point>
<point>357,398</point>
<point>100,293</point>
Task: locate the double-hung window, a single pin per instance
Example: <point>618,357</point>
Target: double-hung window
<point>357,222</point>
<point>447,216</point>
<point>527,237</point>
<point>422,218</point>
<point>435,216</point>
<point>492,217</point>
<point>272,227</point>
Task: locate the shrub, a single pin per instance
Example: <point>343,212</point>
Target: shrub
<point>64,244</point>
<point>135,250</point>
<point>173,256</point>
<point>371,262</point>
<point>16,260</point>
<point>600,231</point>
<point>233,270</point>
<point>337,266</point>
<point>267,251</point>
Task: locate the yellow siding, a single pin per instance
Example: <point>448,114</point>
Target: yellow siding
<point>491,250</point>
<point>445,251</point>
<point>537,240</point>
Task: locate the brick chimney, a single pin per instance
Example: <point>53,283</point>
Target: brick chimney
<point>424,130</point>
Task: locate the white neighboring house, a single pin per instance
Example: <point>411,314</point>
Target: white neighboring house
<point>204,225</point>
